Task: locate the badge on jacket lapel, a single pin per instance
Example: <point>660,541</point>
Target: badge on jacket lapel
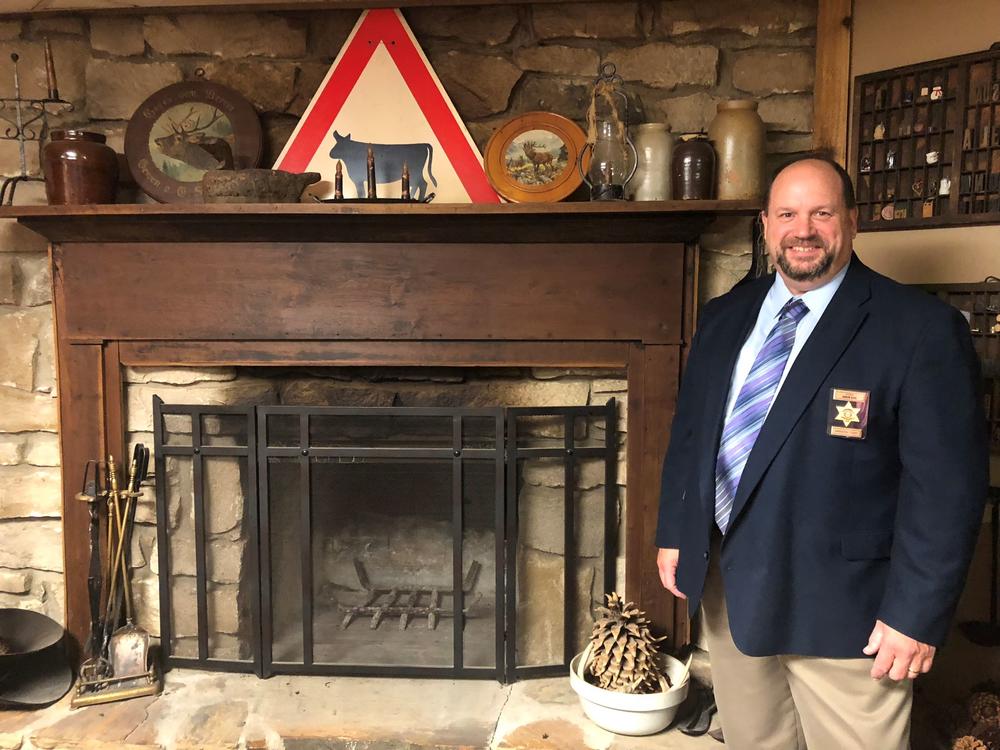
<point>848,416</point>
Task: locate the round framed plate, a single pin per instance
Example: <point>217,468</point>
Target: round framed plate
<point>533,158</point>
<point>186,129</point>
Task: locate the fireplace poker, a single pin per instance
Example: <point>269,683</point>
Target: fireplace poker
<point>90,493</point>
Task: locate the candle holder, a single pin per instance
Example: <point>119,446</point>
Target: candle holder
<point>28,120</point>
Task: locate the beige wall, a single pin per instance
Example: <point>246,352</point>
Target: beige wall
<point>891,33</point>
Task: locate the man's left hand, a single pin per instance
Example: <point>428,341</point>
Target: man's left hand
<point>897,655</point>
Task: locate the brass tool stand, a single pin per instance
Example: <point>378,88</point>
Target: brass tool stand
<point>98,682</point>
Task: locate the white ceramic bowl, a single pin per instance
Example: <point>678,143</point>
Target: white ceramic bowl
<point>623,713</point>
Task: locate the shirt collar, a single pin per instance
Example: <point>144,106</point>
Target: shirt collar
<point>817,300</point>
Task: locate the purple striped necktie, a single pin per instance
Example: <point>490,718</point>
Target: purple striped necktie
<point>751,407</point>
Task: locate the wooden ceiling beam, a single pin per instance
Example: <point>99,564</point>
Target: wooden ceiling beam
<point>22,8</point>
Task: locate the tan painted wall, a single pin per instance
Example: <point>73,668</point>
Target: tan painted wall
<point>890,33</point>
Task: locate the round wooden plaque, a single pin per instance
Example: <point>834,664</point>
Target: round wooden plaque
<point>533,158</point>
<point>185,130</point>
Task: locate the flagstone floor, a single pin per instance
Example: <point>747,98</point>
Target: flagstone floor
<point>213,711</point>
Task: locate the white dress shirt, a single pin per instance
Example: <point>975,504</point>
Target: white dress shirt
<point>817,300</point>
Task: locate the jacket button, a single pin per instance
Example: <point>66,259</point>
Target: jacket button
<point>706,555</point>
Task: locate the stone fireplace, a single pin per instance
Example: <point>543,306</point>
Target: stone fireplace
<point>364,580</point>
<point>537,288</point>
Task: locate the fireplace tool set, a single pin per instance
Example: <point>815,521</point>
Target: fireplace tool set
<point>118,666</point>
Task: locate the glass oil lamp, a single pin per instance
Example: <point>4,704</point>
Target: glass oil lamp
<point>612,155</point>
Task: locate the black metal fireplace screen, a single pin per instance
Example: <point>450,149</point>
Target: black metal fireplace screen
<point>458,542</point>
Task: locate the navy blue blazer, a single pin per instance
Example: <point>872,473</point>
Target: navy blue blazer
<point>828,534</point>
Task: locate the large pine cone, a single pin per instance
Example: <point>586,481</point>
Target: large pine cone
<point>969,743</point>
<point>990,736</point>
<point>984,708</point>
<point>623,651</point>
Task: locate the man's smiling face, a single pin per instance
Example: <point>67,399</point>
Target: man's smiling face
<point>807,226</point>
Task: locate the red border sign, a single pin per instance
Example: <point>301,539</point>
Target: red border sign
<point>387,26</point>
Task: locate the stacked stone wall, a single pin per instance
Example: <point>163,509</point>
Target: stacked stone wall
<point>679,57</point>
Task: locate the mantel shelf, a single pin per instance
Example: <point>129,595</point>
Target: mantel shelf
<point>661,221</point>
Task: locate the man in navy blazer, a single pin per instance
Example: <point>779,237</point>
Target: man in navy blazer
<point>838,524</point>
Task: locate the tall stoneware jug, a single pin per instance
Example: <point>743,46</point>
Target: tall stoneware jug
<point>738,134</point>
<point>79,168</point>
<point>655,148</point>
<point>693,170</point>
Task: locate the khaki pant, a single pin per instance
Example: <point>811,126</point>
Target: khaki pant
<point>795,702</point>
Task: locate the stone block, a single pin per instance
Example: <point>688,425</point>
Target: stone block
<point>117,88</point>
<point>10,159</point>
<point>479,85</point>
<point>781,145</point>
<point>540,609</point>
<point>30,492</point>
<point>491,25</point>
<point>334,393</point>
<point>550,473</point>
<point>719,272</point>
<point>667,66</point>
<point>790,114</point>
<point>764,72</point>
<point>553,95</point>
<point>11,449</point>
<point>541,515</point>
<point>23,411</point>
<point>223,608</point>
<point>729,235</point>
<point>277,130</point>
<point>121,36</point>
<point>328,30</point>
<point>497,393</point>
<point>268,85</point>
<point>686,114</point>
<point>179,375</point>
<point>618,20</point>
<point>246,35</point>
<point>45,25</point>
<point>244,391</point>
<point>558,59</point>
<point>40,449</point>
<point>23,330</point>
<point>13,236</point>
<point>32,544</point>
<point>608,385</point>
<point>8,280</point>
<point>34,280</point>
<point>746,16</point>
<point>15,581</point>
<point>69,57</point>
<point>307,82</point>
<point>10,30</point>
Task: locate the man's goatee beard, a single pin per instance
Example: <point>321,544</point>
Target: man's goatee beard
<point>808,274</point>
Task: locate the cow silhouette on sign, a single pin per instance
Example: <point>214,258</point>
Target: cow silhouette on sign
<point>389,160</point>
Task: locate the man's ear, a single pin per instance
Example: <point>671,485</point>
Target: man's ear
<point>853,214</point>
<point>763,219</point>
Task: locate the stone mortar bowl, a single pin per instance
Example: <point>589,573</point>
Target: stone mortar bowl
<point>255,185</point>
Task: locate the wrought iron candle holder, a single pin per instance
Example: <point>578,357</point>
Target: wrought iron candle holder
<point>28,120</point>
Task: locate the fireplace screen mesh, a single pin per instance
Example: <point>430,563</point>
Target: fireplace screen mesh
<point>407,541</point>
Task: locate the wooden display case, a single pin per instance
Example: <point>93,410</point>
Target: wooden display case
<point>925,143</point>
<point>980,304</point>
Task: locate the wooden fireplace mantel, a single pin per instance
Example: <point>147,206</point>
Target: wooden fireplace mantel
<point>565,285</point>
<point>654,221</point>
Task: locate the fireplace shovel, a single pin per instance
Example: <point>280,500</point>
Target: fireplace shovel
<point>129,646</point>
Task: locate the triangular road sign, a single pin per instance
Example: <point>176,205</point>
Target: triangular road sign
<point>382,91</point>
